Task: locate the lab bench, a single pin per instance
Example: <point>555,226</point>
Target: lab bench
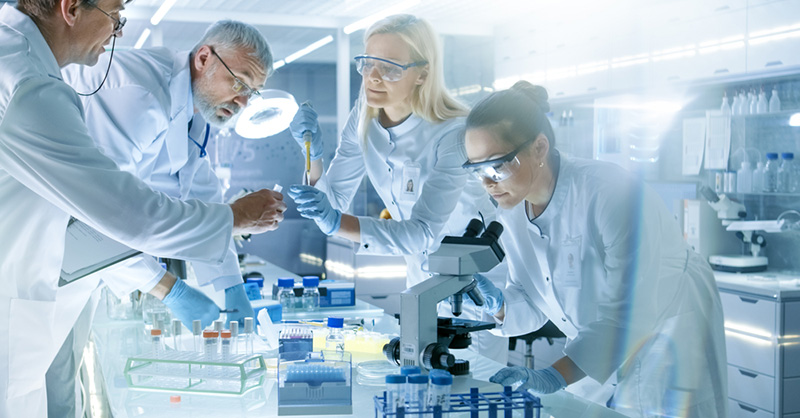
<point>762,338</point>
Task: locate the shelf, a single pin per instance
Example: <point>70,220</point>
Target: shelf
<point>765,194</point>
<point>786,113</point>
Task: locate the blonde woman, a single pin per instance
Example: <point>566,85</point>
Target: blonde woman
<point>405,129</point>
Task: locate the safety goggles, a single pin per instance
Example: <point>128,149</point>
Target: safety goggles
<point>388,70</point>
<point>497,169</point>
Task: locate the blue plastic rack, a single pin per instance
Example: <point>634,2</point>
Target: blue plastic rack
<point>478,405</point>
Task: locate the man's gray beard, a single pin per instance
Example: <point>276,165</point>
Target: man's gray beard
<point>209,111</point>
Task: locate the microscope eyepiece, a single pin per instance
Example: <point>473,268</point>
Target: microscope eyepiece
<point>473,228</point>
<point>493,231</point>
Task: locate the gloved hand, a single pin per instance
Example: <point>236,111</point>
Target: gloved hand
<point>542,381</point>
<point>189,304</point>
<point>306,120</point>
<point>493,297</point>
<point>236,298</point>
<point>313,204</point>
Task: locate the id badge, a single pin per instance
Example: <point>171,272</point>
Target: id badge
<point>571,262</point>
<point>410,185</point>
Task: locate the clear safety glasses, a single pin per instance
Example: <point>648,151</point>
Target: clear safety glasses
<point>388,70</point>
<point>497,169</point>
<point>239,86</point>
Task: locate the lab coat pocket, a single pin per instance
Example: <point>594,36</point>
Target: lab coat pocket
<point>30,344</point>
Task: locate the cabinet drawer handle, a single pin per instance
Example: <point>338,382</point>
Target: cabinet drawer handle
<point>773,63</point>
<point>747,408</point>
<point>379,297</point>
<point>748,300</point>
<point>721,71</point>
<point>748,374</point>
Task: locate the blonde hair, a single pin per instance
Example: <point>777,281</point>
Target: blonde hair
<point>430,100</point>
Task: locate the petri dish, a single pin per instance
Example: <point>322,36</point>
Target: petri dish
<point>373,372</point>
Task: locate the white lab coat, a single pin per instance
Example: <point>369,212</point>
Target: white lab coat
<point>440,201</point>
<point>139,119</point>
<point>606,263</point>
<point>51,169</point>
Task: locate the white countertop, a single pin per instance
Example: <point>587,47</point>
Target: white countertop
<point>769,284</point>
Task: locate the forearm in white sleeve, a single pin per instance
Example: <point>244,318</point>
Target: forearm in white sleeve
<point>221,276</point>
<point>141,272</point>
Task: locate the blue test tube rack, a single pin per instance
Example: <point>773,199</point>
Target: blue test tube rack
<point>476,404</point>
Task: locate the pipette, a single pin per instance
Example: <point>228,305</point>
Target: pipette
<point>307,139</point>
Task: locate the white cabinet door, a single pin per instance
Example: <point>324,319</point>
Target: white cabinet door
<point>741,410</point>
<point>751,388</point>
<point>774,35</point>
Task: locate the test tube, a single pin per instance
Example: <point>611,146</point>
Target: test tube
<point>155,340</point>
<point>395,395</point>
<point>210,343</point>
<point>197,331</point>
<point>219,325</point>
<point>176,331</point>
<point>439,391</point>
<point>234,337</point>
<point>225,345</point>
<point>248,335</point>
<point>416,391</point>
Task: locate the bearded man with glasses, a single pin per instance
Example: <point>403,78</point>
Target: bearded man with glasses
<point>51,170</point>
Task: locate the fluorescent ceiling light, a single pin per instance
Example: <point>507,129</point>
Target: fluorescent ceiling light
<point>142,38</point>
<point>161,12</point>
<point>307,50</point>
<point>365,22</point>
<point>266,115</point>
<point>278,64</point>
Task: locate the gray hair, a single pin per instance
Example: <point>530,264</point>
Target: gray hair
<point>233,35</point>
<point>41,9</point>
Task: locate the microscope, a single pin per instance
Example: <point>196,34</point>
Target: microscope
<point>425,339</point>
<point>731,214</point>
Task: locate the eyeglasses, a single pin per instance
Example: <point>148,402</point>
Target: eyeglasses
<point>239,86</point>
<point>497,169</point>
<point>118,23</point>
<point>389,70</point>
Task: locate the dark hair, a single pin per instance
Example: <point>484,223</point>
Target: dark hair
<point>516,114</point>
<point>40,9</point>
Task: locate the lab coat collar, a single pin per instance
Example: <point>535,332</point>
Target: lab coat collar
<point>38,46</point>
<point>180,89</point>
<point>409,124</point>
<point>553,208</point>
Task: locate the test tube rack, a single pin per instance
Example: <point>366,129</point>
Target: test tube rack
<point>191,372</point>
<point>474,403</point>
<point>321,384</point>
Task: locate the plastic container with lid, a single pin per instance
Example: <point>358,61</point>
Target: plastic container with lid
<point>395,392</point>
<point>441,384</point>
<point>416,391</point>
<point>335,339</point>
<point>286,294</point>
<point>210,339</point>
<point>771,173</point>
<point>156,343</point>
<point>225,345</point>
<point>310,293</point>
<point>786,174</point>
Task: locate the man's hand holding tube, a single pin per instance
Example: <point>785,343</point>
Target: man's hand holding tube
<point>257,212</point>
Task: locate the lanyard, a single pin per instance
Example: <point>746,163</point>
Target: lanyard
<point>203,152</point>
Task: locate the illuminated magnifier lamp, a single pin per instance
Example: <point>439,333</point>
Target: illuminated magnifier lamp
<point>266,115</point>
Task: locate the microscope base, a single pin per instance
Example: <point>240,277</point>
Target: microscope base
<point>738,263</point>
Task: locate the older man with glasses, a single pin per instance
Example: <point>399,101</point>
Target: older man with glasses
<point>153,116</point>
<point>51,169</point>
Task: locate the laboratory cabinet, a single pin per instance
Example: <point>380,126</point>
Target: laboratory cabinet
<point>762,338</point>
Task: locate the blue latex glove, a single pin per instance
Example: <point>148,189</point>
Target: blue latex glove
<point>306,120</point>
<point>236,298</point>
<point>314,204</point>
<point>542,381</point>
<point>493,297</point>
<point>189,304</point>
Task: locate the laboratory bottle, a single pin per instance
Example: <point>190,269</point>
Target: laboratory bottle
<point>771,173</point>
<point>234,337</point>
<point>416,391</point>
<point>210,339</point>
<point>725,108</point>
<point>395,392</point>
<point>439,390</point>
<point>729,182</point>
<point>774,101</point>
<point>752,102</point>
<point>563,121</point>
<point>335,339</point>
<point>310,293</point>
<point>735,104</point>
<point>744,178</point>
<point>247,339</point>
<point>225,342</point>
<point>155,343</point>
<point>763,104</point>
<point>758,178</point>
<point>786,172</point>
<point>742,104</point>
<point>197,331</point>
<point>286,294</point>
<point>570,119</point>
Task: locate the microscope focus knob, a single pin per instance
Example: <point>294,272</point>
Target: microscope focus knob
<point>436,356</point>
<point>392,351</point>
